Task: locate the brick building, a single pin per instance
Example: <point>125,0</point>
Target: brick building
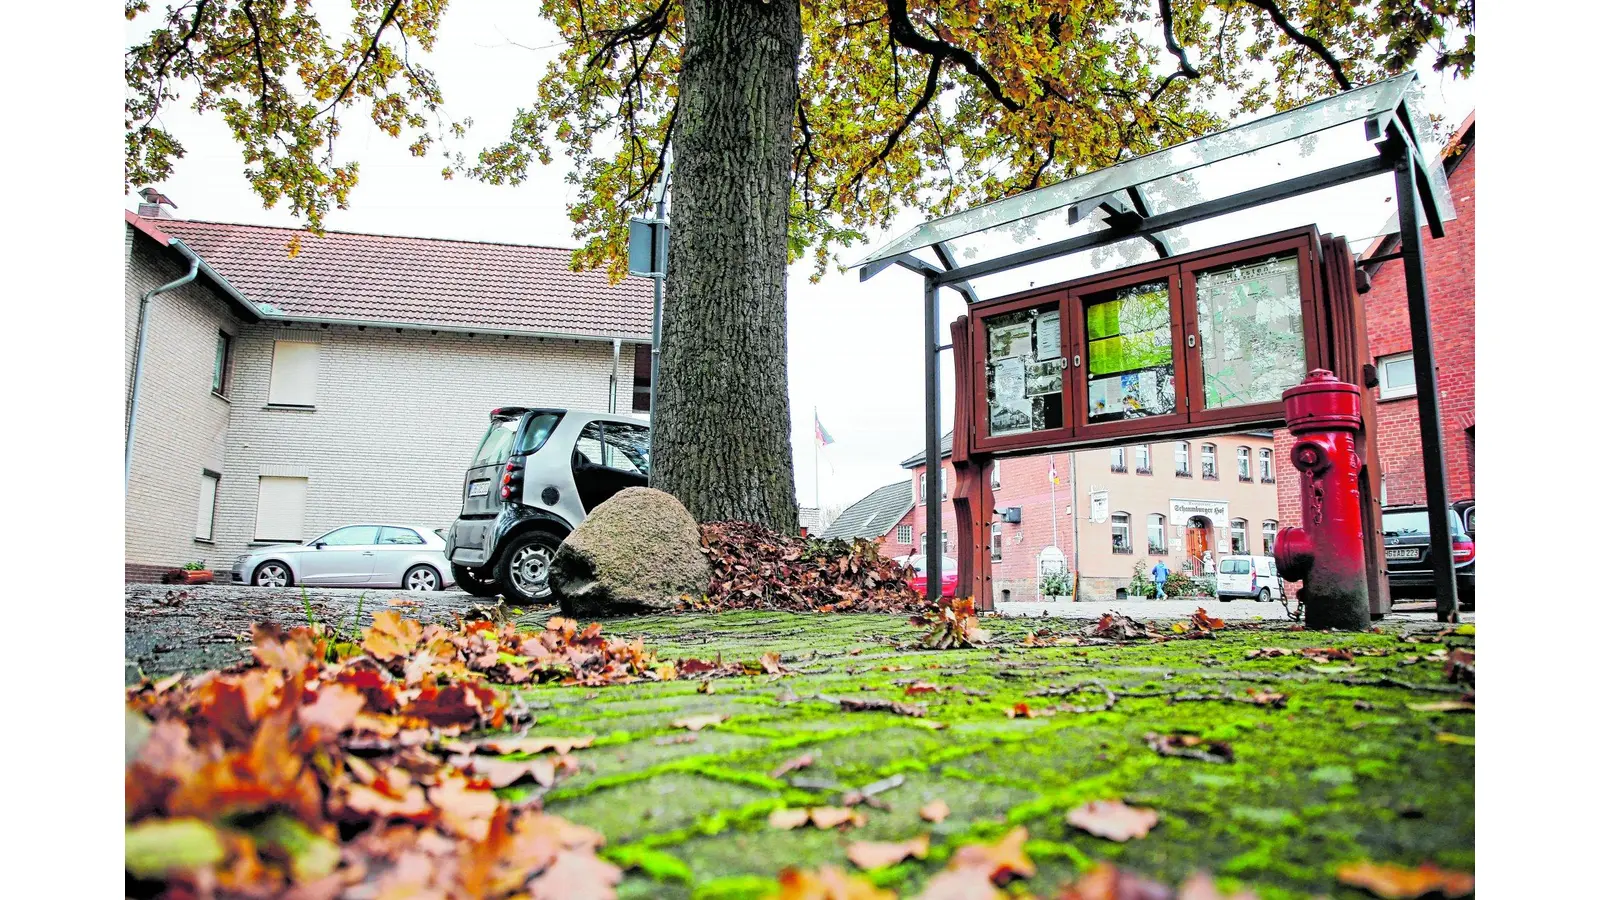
<point>1171,500</point>
<point>1450,265</point>
<point>283,396</point>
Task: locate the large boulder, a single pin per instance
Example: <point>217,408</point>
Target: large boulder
<point>638,552</point>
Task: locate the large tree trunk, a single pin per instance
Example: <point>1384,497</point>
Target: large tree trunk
<point>722,422</point>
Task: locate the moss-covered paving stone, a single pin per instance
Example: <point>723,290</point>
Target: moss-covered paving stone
<point>1346,768</point>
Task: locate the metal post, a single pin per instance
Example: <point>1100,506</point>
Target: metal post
<point>933,462</point>
<point>1433,457</point>
<point>658,274</point>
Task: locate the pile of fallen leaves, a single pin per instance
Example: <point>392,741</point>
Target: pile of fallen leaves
<point>756,568</point>
<point>331,768</point>
<point>955,624</point>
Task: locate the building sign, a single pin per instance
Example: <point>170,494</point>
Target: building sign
<point>1099,506</point>
<point>1184,510</point>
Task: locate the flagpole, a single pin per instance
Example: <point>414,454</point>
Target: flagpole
<point>1055,539</point>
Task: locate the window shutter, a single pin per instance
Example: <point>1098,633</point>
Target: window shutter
<point>205,515</point>
<point>281,509</point>
<point>294,374</point>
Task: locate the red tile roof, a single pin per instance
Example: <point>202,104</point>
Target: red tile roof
<point>416,281</point>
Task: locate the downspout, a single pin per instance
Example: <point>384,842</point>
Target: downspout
<point>616,362</point>
<point>140,341</point>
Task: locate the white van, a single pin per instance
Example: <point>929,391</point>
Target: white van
<point>1249,576</point>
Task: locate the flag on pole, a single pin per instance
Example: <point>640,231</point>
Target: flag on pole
<point>823,437</point>
<point>1054,478</point>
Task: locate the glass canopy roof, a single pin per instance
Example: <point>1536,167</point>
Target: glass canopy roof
<point>1300,142</point>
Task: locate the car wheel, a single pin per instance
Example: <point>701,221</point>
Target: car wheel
<point>421,578</point>
<point>272,574</point>
<point>523,573</point>
<point>1224,599</point>
<point>470,581</point>
<point>1265,596</point>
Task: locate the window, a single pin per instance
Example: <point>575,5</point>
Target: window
<point>205,516</point>
<point>1240,541</point>
<point>1121,537</point>
<point>995,541</point>
<point>350,536</point>
<point>944,539</point>
<point>1141,459</point>
<point>994,474</point>
<point>1119,459</point>
<point>1267,475</point>
<point>641,378</point>
<point>390,537</point>
<point>922,544</point>
<point>1234,567</point>
<point>1156,534</point>
<point>922,488</point>
<point>1180,459</point>
<point>902,535</point>
<point>1208,461</point>
<point>1269,536</point>
<point>1244,463</point>
<point>294,374</point>
<point>1397,376</point>
<point>280,508</point>
<point>219,369</point>
<point>626,448</point>
<point>944,483</point>
<point>1383,490</point>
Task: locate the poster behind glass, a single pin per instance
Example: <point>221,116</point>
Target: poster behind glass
<point>1130,353</point>
<point>1023,370</point>
<point>1252,339</point>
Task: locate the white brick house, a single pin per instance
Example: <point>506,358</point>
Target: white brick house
<point>280,397</point>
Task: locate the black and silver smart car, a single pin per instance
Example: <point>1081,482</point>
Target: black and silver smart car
<point>536,475</point>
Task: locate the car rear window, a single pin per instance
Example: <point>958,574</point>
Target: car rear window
<point>1414,521</point>
<point>538,431</point>
<point>1235,567</point>
<point>495,448</point>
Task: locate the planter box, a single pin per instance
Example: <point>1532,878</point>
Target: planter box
<point>188,576</point>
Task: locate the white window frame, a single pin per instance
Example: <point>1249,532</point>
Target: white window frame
<point>282,487</point>
<point>1241,528</point>
<point>922,488</point>
<point>1144,451</point>
<point>1126,525</point>
<point>205,519</point>
<point>995,541</point>
<point>1119,459</point>
<point>944,540</point>
<point>902,535</point>
<point>1246,471</point>
<point>1156,523</point>
<point>1180,458</point>
<point>1211,451</point>
<point>1385,392</point>
<point>922,544</point>
<point>994,474</point>
<point>294,374</point>
<point>222,364</point>
<point>1268,473</point>
<point>1269,535</point>
<point>944,483</point>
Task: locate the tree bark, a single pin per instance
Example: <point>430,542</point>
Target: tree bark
<point>722,423</point>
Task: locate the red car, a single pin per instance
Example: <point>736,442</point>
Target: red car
<point>947,573</point>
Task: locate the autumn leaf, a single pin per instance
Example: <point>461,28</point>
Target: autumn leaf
<point>788,819</point>
<point>826,817</point>
<point>1107,882</point>
<point>695,723</point>
<point>1199,886</point>
<point>799,762</point>
<point>828,884</point>
<point>577,876</point>
<point>1206,622</point>
<point>1190,746</point>
<point>532,745</point>
<point>921,687</point>
<point>334,710</point>
<point>877,854</point>
<point>1394,882</point>
<point>771,665</point>
<point>935,811</point>
<point>1024,711</point>
<point>961,884</point>
<point>1265,698</point>
<point>1268,652</point>
<point>391,636</point>
<point>1113,820</point>
<point>1001,861</point>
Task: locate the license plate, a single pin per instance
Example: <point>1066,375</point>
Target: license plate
<point>1403,553</point>
<point>478,489</point>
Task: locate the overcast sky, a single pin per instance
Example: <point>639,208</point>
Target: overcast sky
<point>855,350</point>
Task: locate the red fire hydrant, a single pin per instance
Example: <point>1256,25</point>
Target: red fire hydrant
<point>1327,553</point>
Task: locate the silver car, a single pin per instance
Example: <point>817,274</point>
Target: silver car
<point>403,556</point>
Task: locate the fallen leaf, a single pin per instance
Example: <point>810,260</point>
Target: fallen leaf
<point>1113,820</point>
<point>1265,698</point>
<point>788,819</point>
<point>961,884</point>
<point>1107,882</point>
<point>1444,706</point>
<point>921,687</point>
<point>334,710</point>
<point>1206,622</point>
<point>1326,654</point>
<point>1001,861</point>
<point>828,884</point>
<point>1189,746</point>
<point>863,704</point>
<point>706,687</point>
<point>1199,886</point>
<point>826,817</point>
<point>934,811</point>
<point>771,665</point>
<point>799,762</point>
<point>463,808</point>
<point>877,854</point>
<point>1024,711</point>
<point>1268,652</point>
<point>533,745</point>
<point>391,636</point>
<point>695,723</point>
<point>576,875</point>
<point>1394,882</point>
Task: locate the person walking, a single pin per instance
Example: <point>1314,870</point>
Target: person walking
<point>1159,576</point>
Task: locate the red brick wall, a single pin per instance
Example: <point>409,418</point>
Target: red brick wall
<point>1450,265</point>
<point>1024,482</point>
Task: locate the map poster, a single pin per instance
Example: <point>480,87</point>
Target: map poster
<point>1010,341</point>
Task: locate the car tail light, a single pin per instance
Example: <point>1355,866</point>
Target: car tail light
<point>1462,550</point>
<point>511,479</point>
